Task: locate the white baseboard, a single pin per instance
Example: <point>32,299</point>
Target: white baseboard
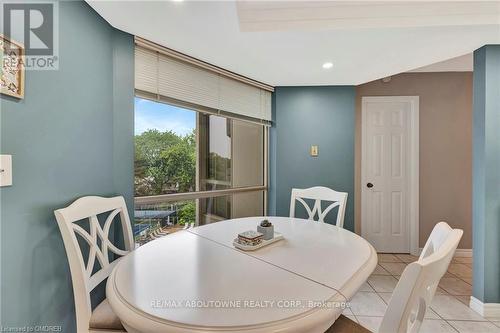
<point>458,253</point>
<point>491,310</point>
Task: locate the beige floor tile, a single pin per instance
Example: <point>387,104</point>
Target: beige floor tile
<point>450,308</point>
<point>467,279</point>
<point>428,325</point>
<point>347,312</point>
<point>496,322</point>
<point>395,268</point>
<point>367,304</point>
<point>455,286</point>
<point>429,314</point>
<point>436,326</point>
<point>462,260</point>
<point>441,291</point>
<point>407,258</point>
<point>371,323</point>
<point>382,283</point>
<point>460,270</point>
<point>387,257</point>
<point>464,299</point>
<point>366,287</point>
<point>386,297</point>
<point>475,327</point>
<point>379,270</point>
<point>353,318</point>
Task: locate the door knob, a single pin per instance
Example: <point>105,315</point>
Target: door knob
<point>369,185</point>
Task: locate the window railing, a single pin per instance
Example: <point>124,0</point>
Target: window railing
<point>159,215</point>
<point>154,199</point>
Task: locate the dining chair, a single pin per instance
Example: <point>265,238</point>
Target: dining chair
<point>319,194</point>
<point>416,287</point>
<point>86,275</point>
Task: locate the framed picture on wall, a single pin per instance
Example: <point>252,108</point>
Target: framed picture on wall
<point>12,70</point>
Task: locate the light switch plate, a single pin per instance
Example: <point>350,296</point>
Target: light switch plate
<point>5,170</point>
<point>314,151</point>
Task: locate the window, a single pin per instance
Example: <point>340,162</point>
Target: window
<point>201,142</point>
<point>165,148</point>
<point>194,168</point>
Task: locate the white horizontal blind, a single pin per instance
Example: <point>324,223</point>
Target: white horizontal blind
<point>146,70</point>
<point>162,75</point>
<point>187,83</point>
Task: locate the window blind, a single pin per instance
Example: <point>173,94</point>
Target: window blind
<point>160,74</point>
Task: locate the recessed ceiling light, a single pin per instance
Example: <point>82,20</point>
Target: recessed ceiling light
<point>177,0</point>
<point>327,65</point>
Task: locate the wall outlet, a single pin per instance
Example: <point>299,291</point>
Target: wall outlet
<point>314,151</point>
<point>5,170</point>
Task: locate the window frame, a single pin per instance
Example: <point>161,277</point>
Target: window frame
<point>165,198</point>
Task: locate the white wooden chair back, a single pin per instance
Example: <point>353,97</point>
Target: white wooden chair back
<point>319,194</point>
<point>82,274</point>
<point>417,285</point>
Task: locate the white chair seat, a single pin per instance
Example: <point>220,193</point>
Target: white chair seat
<point>103,318</point>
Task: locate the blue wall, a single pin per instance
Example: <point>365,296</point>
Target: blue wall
<point>305,116</point>
<point>72,135</point>
<point>486,174</point>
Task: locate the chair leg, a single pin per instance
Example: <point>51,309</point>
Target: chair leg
<point>346,325</point>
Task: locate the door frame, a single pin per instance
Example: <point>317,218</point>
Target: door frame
<point>413,191</point>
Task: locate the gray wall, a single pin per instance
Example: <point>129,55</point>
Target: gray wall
<point>72,135</point>
<point>486,174</point>
<point>305,116</point>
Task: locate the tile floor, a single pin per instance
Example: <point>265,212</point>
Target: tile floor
<point>449,311</point>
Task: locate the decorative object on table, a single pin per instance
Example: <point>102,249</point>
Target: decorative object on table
<point>243,244</point>
<point>12,73</point>
<point>267,229</point>
<point>250,238</point>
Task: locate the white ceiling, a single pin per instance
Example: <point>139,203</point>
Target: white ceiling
<point>463,63</point>
<point>285,43</point>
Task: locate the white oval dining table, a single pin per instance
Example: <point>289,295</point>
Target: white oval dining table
<point>196,281</point>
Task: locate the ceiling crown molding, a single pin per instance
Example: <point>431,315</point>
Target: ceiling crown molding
<point>326,15</point>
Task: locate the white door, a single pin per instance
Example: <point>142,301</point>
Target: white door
<point>389,173</point>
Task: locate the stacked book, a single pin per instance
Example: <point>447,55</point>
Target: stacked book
<point>250,238</point>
